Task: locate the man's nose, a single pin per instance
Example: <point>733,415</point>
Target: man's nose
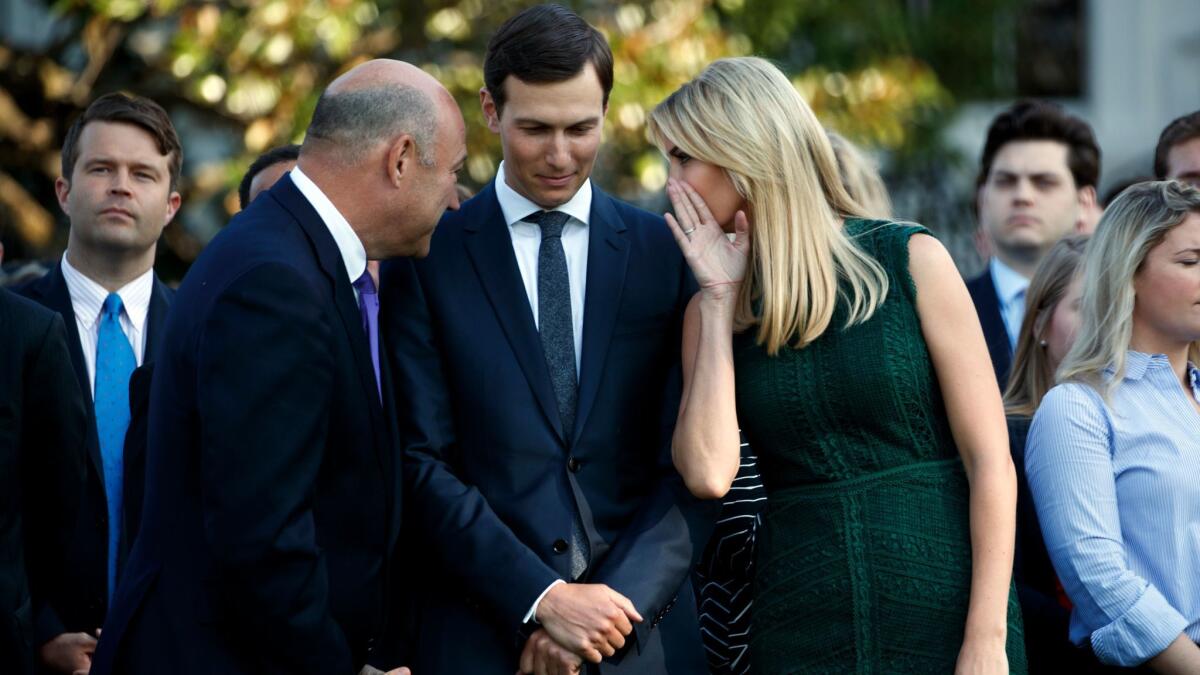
<point>1023,191</point>
<point>120,183</point>
<point>557,154</point>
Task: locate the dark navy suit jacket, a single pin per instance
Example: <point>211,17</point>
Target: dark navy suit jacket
<point>494,483</point>
<point>987,306</point>
<point>43,421</point>
<point>272,491</point>
<point>80,603</point>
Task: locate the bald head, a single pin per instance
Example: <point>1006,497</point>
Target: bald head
<point>373,103</point>
<point>385,145</point>
<point>384,73</point>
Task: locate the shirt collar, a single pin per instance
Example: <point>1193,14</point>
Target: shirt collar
<point>87,296</point>
<point>354,256</point>
<point>1138,363</point>
<point>516,207</point>
<point>1009,283</point>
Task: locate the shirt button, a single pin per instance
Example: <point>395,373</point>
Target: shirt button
<point>560,546</point>
<point>573,465</point>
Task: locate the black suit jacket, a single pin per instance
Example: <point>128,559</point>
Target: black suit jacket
<point>42,425</point>
<point>80,604</point>
<point>495,483</point>
<point>272,491</point>
<point>987,306</point>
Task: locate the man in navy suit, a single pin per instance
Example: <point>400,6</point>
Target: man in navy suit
<point>120,166</point>
<point>43,422</point>
<point>1037,183</point>
<point>273,484</point>
<point>539,347</point>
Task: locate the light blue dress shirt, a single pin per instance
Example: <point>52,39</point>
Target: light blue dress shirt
<point>1117,491</point>
<point>1010,292</point>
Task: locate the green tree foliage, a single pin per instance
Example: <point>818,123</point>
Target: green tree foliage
<point>241,76</point>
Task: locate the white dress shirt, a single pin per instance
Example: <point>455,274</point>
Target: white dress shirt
<point>354,256</point>
<point>527,242</point>
<point>87,299</point>
<point>1010,291</point>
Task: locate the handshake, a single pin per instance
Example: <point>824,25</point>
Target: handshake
<point>579,622</point>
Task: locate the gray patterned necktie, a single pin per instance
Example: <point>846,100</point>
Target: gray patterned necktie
<point>556,327</point>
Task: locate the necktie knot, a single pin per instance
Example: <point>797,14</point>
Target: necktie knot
<point>112,306</point>
<point>365,284</point>
<point>551,222</point>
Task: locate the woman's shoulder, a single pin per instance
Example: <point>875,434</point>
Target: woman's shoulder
<point>1072,403</point>
<point>882,231</point>
<point>888,241</point>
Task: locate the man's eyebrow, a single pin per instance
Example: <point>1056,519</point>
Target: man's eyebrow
<point>107,159</point>
<point>533,121</point>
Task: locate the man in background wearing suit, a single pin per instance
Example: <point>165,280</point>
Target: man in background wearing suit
<point>1037,183</point>
<point>42,426</point>
<point>538,346</point>
<point>265,171</point>
<point>120,167</point>
<point>273,485</point>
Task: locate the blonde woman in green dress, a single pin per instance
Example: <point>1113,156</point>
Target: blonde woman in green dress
<point>850,353</point>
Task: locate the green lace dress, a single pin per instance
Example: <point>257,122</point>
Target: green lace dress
<point>864,562</point>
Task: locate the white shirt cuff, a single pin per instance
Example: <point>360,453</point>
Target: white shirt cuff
<point>532,615</point>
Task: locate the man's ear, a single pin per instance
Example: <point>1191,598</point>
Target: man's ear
<point>173,203</point>
<point>490,113</point>
<point>401,159</point>
<point>1087,196</point>
<point>1089,210</point>
<point>62,189</point>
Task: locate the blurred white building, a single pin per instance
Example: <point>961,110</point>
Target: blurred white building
<point>1138,69</point>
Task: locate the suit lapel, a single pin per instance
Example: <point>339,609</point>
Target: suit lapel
<point>490,247</point>
<point>330,261</point>
<point>992,321</point>
<point>608,253</point>
<point>57,296</point>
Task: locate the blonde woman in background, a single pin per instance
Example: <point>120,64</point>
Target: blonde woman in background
<point>860,378</point>
<point>1046,334</point>
<point>1113,459</point>
<point>860,177</point>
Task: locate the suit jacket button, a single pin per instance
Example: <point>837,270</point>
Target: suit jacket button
<point>560,546</point>
<point>573,465</point>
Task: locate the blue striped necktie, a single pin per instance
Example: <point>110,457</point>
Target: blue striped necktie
<point>115,362</point>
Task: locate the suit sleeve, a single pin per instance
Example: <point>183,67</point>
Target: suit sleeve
<point>466,535</point>
<point>52,443</point>
<point>655,554</point>
<point>264,377</point>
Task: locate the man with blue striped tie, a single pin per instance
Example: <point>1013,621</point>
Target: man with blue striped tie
<point>121,161</point>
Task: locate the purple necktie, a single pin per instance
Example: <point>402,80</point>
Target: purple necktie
<point>368,305</point>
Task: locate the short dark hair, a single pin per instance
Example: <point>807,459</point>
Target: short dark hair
<point>135,110</point>
<point>284,153</point>
<point>1044,121</point>
<point>1181,130</point>
<point>545,44</point>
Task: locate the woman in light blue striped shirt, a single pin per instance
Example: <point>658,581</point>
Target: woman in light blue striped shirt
<point>1113,458</point>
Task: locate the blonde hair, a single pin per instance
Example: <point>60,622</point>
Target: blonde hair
<point>1132,225</point>
<point>1032,374</point>
<point>743,115</point>
<point>860,177</point>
